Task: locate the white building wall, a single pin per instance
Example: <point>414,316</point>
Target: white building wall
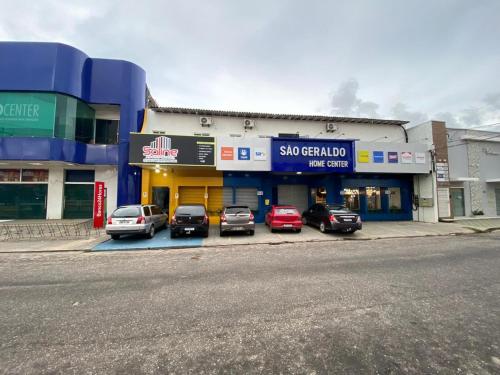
<point>185,124</point>
<point>55,191</point>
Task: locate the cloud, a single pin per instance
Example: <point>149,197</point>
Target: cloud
<point>345,101</point>
<point>401,111</point>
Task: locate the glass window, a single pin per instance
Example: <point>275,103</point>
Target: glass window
<point>10,175</point>
<point>74,119</point>
<point>132,211</point>
<point>394,199</point>
<point>35,175</point>
<point>84,125</point>
<point>147,212</point>
<point>286,211</point>
<point>237,210</point>
<point>27,114</point>
<point>190,210</point>
<point>76,175</point>
<point>351,199</point>
<point>373,198</point>
<point>106,132</point>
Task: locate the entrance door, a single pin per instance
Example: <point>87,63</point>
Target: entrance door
<point>161,197</point>
<point>295,195</point>
<point>457,201</point>
<point>23,201</point>
<point>497,195</point>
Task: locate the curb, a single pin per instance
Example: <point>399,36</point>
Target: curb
<point>475,231</point>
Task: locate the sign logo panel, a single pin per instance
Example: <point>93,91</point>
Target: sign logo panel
<point>378,156</point>
<point>171,149</point>
<point>227,153</point>
<point>243,153</point>
<point>98,204</point>
<point>363,156</point>
<point>392,157</point>
<point>311,155</point>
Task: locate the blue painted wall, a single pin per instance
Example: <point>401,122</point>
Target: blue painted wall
<point>334,183</point>
<point>55,67</point>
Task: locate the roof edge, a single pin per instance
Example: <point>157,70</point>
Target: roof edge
<point>276,116</point>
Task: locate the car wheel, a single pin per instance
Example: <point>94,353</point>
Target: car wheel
<point>115,236</point>
<point>299,230</point>
<point>151,233</point>
<point>222,234</point>
<point>173,235</point>
<point>205,235</point>
<point>273,230</point>
<point>252,232</point>
<point>322,227</point>
<point>304,221</point>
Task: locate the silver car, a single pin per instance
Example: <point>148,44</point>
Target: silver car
<point>237,219</point>
<point>136,219</point>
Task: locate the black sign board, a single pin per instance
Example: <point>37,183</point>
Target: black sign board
<point>171,149</point>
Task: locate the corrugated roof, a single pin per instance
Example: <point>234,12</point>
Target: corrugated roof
<point>276,116</point>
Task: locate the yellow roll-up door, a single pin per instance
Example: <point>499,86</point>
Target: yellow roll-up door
<point>215,201</point>
<point>191,194</point>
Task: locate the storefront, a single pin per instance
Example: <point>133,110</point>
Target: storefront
<point>178,170</point>
<point>63,127</point>
<point>302,172</point>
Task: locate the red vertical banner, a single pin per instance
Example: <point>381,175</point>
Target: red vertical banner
<point>98,204</point>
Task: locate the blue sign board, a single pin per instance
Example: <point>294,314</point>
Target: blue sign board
<point>378,156</point>
<point>243,153</point>
<point>312,155</point>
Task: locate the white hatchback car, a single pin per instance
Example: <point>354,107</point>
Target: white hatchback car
<point>136,219</point>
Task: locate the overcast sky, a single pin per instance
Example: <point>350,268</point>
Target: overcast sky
<point>410,60</point>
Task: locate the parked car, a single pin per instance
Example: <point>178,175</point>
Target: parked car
<point>189,219</point>
<point>332,218</point>
<point>284,217</point>
<point>237,219</point>
<point>136,219</point>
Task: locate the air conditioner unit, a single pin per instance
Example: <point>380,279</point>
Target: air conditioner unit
<point>331,127</point>
<point>205,121</point>
<point>248,124</point>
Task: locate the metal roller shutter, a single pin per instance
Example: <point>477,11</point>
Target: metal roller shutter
<point>191,194</point>
<point>227,196</point>
<point>295,195</point>
<point>247,197</point>
<point>214,200</point>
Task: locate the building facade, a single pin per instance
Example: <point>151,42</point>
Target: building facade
<point>68,121</point>
<point>474,172</point>
<point>65,122</point>
<point>259,159</point>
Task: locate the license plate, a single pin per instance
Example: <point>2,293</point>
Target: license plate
<point>350,220</point>
<point>287,225</point>
<point>239,228</point>
<point>122,221</point>
<point>188,229</point>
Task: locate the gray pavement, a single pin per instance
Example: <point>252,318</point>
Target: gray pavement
<point>386,306</point>
<point>370,231</point>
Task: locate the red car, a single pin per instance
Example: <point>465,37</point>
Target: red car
<point>284,217</point>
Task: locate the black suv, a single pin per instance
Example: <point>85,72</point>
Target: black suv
<point>189,218</point>
<point>332,217</point>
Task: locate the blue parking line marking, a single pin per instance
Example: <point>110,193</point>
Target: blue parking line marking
<point>161,240</point>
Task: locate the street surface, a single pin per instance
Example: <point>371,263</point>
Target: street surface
<point>418,305</point>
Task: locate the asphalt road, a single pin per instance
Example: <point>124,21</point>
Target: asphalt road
<point>421,305</point>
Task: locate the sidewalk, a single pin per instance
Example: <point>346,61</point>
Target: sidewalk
<point>478,223</point>
<point>162,240</point>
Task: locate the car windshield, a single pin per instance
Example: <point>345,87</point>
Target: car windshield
<point>338,208</point>
<point>133,211</point>
<point>286,211</point>
<point>190,210</point>
<point>237,210</point>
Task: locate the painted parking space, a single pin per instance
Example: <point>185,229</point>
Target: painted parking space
<point>161,240</point>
